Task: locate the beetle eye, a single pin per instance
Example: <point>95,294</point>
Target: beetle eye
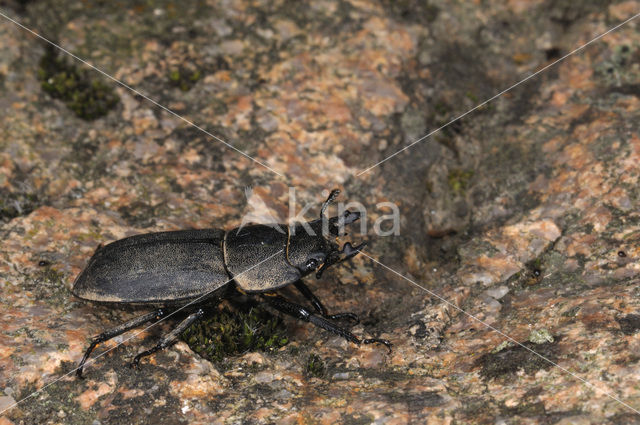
<point>312,263</point>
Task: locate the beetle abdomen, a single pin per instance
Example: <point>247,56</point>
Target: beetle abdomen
<point>155,268</point>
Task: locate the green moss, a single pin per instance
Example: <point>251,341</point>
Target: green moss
<point>459,180</point>
<point>87,97</point>
<point>174,75</point>
<point>472,97</point>
<point>184,77</point>
<point>227,333</point>
<point>315,366</point>
<point>441,108</point>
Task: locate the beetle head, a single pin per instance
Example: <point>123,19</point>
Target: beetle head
<point>318,251</point>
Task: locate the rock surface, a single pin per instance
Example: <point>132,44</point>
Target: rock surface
<point>520,223</point>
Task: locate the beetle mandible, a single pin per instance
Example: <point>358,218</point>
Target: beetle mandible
<point>194,268</point>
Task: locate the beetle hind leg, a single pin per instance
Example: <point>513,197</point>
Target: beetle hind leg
<point>317,305</point>
<point>170,338</point>
<point>300,312</point>
<point>118,330</point>
<point>384,342</point>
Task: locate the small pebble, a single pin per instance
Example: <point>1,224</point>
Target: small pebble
<point>497,292</point>
<point>341,375</point>
<point>6,402</point>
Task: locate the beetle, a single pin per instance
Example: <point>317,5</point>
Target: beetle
<point>195,268</point>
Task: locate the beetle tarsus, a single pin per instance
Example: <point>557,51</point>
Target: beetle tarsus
<point>385,342</point>
<point>300,312</point>
<point>317,305</point>
<point>135,363</point>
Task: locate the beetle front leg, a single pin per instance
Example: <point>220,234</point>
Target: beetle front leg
<point>112,333</point>
<point>317,305</point>
<point>300,312</point>
<point>170,338</point>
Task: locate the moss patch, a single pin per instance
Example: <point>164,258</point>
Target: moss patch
<point>184,77</point>
<point>87,97</point>
<point>315,366</point>
<point>459,180</point>
<point>511,359</point>
<point>227,333</point>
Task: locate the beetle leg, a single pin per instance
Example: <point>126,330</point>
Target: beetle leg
<point>111,333</point>
<point>300,312</point>
<point>317,305</point>
<point>170,338</point>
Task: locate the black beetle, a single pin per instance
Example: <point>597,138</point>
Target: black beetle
<point>192,268</point>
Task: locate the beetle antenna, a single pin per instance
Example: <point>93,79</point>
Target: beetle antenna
<point>332,196</point>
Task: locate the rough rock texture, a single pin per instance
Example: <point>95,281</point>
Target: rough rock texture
<point>525,214</point>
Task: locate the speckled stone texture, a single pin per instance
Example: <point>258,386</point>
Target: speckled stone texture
<point>525,214</point>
